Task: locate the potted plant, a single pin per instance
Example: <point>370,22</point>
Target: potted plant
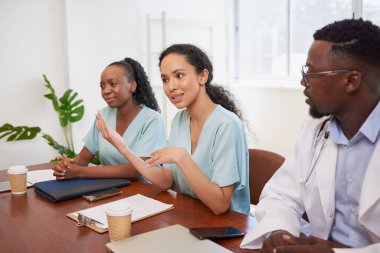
<point>69,110</point>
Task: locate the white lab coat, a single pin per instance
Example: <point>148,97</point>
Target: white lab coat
<point>285,197</point>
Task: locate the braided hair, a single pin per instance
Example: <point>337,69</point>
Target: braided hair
<point>200,61</point>
<point>135,72</point>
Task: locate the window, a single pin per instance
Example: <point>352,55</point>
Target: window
<point>371,10</point>
<point>272,40</point>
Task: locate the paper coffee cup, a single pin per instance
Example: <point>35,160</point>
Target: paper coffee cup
<point>17,179</point>
<point>119,220</point>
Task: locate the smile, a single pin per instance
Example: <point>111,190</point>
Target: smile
<point>177,98</point>
<point>109,99</point>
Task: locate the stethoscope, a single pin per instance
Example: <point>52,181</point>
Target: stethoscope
<point>322,133</point>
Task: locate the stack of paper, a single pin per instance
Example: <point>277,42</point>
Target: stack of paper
<point>142,207</point>
<point>35,176</point>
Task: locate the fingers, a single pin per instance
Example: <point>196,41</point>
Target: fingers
<point>102,126</point>
<point>305,240</point>
<point>268,247</point>
<point>149,165</point>
<point>63,160</point>
<point>148,162</point>
<point>99,121</point>
<point>273,241</point>
<point>153,161</point>
<point>156,158</point>
<point>59,173</point>
<point>289,239</point>
<point>61,167</point>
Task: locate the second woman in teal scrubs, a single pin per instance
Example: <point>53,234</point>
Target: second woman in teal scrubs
<point>133,112</point>
<point>207,154</point>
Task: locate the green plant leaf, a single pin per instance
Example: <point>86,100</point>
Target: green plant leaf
<point>70,110</point>
<point>95,160</point>
<point>18,133</point>
<point>60,148</point>
<point>51,95</point>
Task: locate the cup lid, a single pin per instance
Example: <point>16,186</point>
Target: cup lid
<point>17,169</point>
<point>119,209</point>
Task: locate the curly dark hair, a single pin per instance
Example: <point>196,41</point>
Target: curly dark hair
<point>197,58</point>
<point>353,38</point>
<point>135,72</point>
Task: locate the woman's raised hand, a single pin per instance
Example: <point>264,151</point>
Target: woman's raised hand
<point>109,134</point>
<point>167,155</point>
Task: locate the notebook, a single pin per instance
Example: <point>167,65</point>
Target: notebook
<point>56,191</point>
<point>175,238</point>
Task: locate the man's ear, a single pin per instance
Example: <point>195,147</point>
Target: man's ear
<point>354,80</point>
<point>203,77</point>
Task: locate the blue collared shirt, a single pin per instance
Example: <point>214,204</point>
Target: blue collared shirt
<point>353,159</point>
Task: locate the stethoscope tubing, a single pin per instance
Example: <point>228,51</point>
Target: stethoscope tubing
<point>312,165</point>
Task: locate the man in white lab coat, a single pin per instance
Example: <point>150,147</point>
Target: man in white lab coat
<point>333,174</point>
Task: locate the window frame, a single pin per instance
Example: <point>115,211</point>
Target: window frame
<point>267,80</point>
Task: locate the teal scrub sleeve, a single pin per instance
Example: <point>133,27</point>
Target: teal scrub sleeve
<point>228,163</point>
<point>91,141</point>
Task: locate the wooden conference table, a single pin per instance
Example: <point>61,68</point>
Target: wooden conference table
<point>31,223</point>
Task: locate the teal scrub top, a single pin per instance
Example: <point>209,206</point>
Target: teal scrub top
<point>221,154</point>
<point>145,134</point>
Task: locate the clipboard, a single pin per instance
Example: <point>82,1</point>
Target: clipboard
<point>142,207</point>
<point>93,227</point>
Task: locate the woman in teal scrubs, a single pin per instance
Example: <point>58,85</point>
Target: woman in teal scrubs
<point>207,154</point>
<point>133,112</point>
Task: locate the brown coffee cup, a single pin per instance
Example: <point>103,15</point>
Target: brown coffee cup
<point>119,220</point>
<point>17,178</point>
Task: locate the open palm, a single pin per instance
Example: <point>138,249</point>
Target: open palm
<point>109,134</point>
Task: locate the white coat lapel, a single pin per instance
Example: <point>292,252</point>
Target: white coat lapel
<point>325,172</point>
<point>369,206</point>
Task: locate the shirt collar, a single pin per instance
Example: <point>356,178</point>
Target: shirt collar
<point>370,128</point>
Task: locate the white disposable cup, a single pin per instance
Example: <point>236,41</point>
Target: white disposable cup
<point>17,179</point>
<point>119,220</point>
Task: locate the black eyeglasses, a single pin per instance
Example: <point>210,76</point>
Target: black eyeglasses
<point>305,73</point>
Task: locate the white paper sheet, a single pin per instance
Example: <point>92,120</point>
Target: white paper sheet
<point>35,176</point>
<point>142,207</point>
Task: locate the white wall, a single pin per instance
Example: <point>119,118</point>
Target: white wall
<point>274,115</point>
<point>32,42</point>
<point>73,40</point>
<point>99,33</point>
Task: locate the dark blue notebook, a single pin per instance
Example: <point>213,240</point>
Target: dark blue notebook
<point>56,190</point>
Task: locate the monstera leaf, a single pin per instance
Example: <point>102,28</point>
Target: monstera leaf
<point>18,133</point>
<point>70,110</point>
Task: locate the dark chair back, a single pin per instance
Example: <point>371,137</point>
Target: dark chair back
<point>262,165</point>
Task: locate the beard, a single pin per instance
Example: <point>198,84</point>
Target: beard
<point>315,114</point>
